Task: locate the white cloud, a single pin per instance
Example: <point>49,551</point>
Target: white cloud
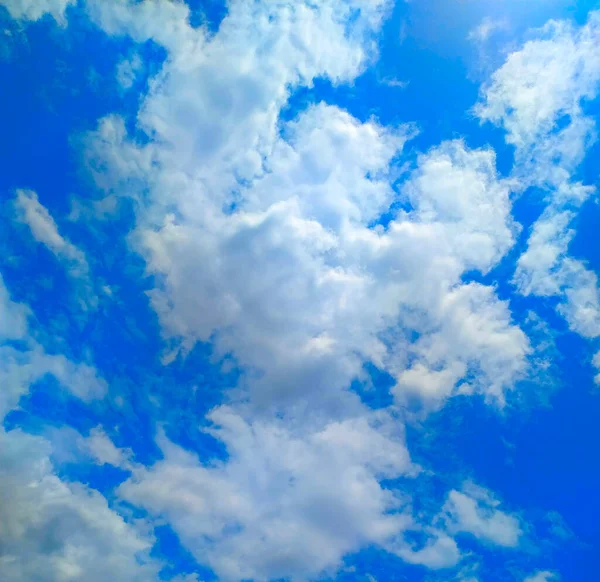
<point>544,81</point>
<point>53,531</point>
<point>291,500</point>
<point>538,96</point>
<point>596,364</point>
<point>19,369</point>
<point>127,71</point>
<point>104,451</point>
<point>260,234</point>
<point>542,576</point>
<point>35,216</point>
<point>539,268</point>
<point>545,269</point>
<point>44,230</point>
<point>22,366</point>
<point>36,9</point>
<point>439,553</point>
<point>13,316</point>
<point>303,288</point>
<point>473,510</point>
<point>485,29</point>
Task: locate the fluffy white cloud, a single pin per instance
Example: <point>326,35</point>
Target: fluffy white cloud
<point>293,281</point>
<point>53,531</point>
<point>291,500</point>
<point>538,96</point>
<point>475,511</point>
<point>539,268</point>
<point>36,9</point>
<point>545,269</point>
<point>303,288</point>
<point>103,450</point>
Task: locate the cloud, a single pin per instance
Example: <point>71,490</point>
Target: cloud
<point>485,29</point>
<point>302,249</point>
<point>544,81</point>
<point>475,511</point>
<point>23,365</point>
<point>545,269</point>
<point>291,500</point>
<point>538,97</point>
<point>36,9</point>
<point>127,71</point>
<point>596,364</point>
<point>43,228</point>
<point>13,316</point>
<point>103,450</point>
<point>292,293</point>
<point>53,531</point>
<point>542,576</point>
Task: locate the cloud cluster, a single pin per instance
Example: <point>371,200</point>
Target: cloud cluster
<point>36,9</point>
<point>542,576</point>
<point>52,530</point>
<point>300,245</point>
<point>539,97</point>
<point>287,501</point>
<point>302,250</point>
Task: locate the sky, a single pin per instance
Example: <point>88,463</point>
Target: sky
<point>299,290</point>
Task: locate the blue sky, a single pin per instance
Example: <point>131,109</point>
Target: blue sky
<point>299,290</point>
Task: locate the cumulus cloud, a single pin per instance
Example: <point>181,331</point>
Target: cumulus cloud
<point>22,366</point>
<point>545,269</point>
<point>302,248</point>
<point>549,78</point>
<point>51,530</point>
<point>304,288</point>
<point>292,500</point>
<point>54,531</point>
<point>475,511</point>
<point>269,239</point>
<point>538,96</point>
